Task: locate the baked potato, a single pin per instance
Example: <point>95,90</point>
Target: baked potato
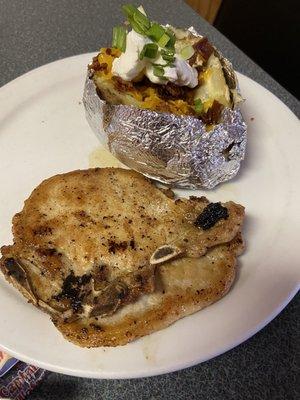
<point>212,88</point>
<point>164,102</point>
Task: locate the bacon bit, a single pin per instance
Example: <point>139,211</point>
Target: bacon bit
<point>95,64</point>
<point>192,59</point>
<point>204,48</point>
<point>171,91</point>
<point>212,115</point>
<point>121,85</point>
<point>103,67</point>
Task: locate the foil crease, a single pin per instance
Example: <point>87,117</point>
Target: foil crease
<point>175,150</point>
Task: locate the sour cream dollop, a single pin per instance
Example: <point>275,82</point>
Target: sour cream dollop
<point>129,67</point>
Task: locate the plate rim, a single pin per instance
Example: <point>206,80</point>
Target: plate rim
<point>158,371</point>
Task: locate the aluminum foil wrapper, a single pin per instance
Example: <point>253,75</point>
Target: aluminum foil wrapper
<point>175,150</point>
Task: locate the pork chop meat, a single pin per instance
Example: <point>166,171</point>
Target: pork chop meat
<point>89,241</point>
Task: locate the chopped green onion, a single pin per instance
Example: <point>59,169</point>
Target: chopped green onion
<point>138,21</point>
<point>187,52</point>
<point>164,40</point>
<point>129,10</point>
<point>155,32</point>
<point>168,52</point>
<point>119,38</point>
<point>149,51</point>
<point>167,64</point>
<point>158,71</point>
<point>141,19</point>
<point>198,106</point>
<point>170,64</point>
<point>171,42</point>
<point>136,27</point>
<point>167,55</point>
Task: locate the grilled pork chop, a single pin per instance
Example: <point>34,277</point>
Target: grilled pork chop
<point>89,245</point>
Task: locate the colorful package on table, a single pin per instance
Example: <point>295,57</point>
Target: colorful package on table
<point>17,379</point>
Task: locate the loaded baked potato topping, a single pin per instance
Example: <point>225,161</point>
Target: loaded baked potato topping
<point>161,68</point>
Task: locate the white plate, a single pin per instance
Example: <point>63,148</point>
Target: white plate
<point>43,132</point>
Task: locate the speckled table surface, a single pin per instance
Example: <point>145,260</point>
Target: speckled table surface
<point>35,32</point>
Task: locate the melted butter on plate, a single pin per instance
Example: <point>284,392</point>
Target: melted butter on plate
<point>100,157</point>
